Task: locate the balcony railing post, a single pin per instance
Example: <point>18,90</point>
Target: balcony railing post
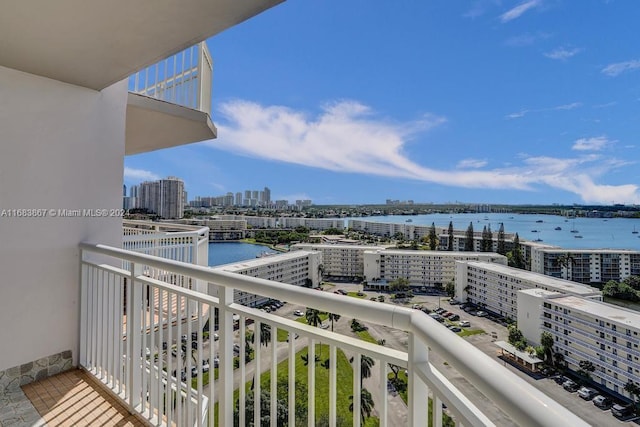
<point>134,331</point>
<point>84,307</point>
<point>225,373</point>
<point>418,391</point>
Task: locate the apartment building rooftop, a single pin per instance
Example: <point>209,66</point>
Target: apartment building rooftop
<point>602,310</point>
<point>267,259</point>
<point>563,286</point>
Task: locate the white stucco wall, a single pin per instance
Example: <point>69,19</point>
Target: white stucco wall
<point>61,146</point>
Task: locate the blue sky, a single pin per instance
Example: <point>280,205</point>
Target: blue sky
<point>495,101</point>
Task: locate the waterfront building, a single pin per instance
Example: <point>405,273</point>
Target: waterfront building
<point>298,268</point>
<point>165,197</point>
<point>585,265</point>
<point>421,268</point>
<point>495,287</point>
<point>318,224</point>
<point>221,228</point>
<point>339,260</point>
<point>584,329</point>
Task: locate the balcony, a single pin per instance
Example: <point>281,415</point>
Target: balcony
<point>121,346</point>
<point>169,102</point>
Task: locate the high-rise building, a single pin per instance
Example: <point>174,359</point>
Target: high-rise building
<point>165,197</point>
<point>238,199</point>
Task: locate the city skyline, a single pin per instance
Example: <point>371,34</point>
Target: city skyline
<point>494,102</point>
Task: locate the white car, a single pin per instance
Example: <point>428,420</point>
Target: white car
<point>464,324</point>
<point>298,313</point>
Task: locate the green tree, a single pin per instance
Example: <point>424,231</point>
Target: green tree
<point>265,334</point>
<point>450,234</point>
<point>400,284</point>
<point>366,364</point>
<point>501,249</point>
<point>366,404</point>
<point>450,289</point>
<point>489,244</point>
<point>468,238</point>
<point>433,238</point>
<point>333,318</point>
<point>484,243</point>
<point>313,317</point>
<point>546,341</point>
<point>515,257</point>
<point>634,391</point>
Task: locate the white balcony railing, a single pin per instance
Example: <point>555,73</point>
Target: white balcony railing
<point>115,338</point>
<point>179,242</point>
<point>183,79</point>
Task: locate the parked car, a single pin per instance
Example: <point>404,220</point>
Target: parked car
<point>454,317</point>
<point>570,386</point>
<point>455,329</point>
<point>298,313</point>
<point>481,313</point>
<point>560,379</point>
<point>602,402</point>
<point>205,365</point>
<point>464,324</point>
<point>454,301</point>
<point>447,314</point>
<point>622,410</point>
<point>587,393</point>
<point>216,337</point>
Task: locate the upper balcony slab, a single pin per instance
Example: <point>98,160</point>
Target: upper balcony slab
<point>153,124</point>
<point>94,44</point>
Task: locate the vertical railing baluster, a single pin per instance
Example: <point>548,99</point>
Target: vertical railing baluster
<point>292,378</point>
<point>161,387</point>
<point>171,379</point>
<point>120,319</point>
<point>200,361</point>
<point>437,411</point>
<point>382,411</point>
<point>243,372</point>
<point>84,307</point>
<point>211,316</point>
<point>153,364</point>
<point>134,323</point>
<point>418,392</point>
<point>274,376</point>
<point>179,365</point>
<point>311,381</point>
<point>256,374</point>
<point>333,401</point>
<point>225,373</point>
<point>111,346</point>
<point>189,406</point>
<point>357,388</point>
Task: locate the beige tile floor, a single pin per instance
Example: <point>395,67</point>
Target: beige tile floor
<point>73,398</point>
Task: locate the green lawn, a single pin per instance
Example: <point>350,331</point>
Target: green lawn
<point>355,295</point>
<point>302,319</point>
<point>469,332</point>
<point>344,383</point>
<point>366,336</point>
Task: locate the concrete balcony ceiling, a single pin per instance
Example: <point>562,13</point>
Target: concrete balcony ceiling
<point>94,44</point>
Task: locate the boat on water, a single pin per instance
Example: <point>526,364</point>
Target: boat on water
<point>538,240</point>
<point>409,220</point>
<point>539,220</point>
<point>634,230</point>
<point>577,236</point>
<point>534,231</point>
<point>558,228</point>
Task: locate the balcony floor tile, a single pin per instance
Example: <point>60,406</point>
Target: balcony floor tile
<point>73,398</point>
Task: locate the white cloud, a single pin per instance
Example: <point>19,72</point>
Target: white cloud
<point>349,137</point>
<point>132,174</point>
<point>522,113</point>
<point>562,53</point>
<point>606,105</point>
<point>591,144</point>
<point>519,10</point>
<point>618,68</point>
<point>471,164</point>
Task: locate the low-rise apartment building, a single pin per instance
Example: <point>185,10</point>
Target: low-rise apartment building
<point>311,223</point>
<point>495,287</point>
<point>298,268</point>
<point>421,268</point>
<point>585,265</point>
<point>339,260</point>
<point>583,329</point>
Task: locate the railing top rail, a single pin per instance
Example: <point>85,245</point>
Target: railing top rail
<point>167,227</point>
<point>523,402</point>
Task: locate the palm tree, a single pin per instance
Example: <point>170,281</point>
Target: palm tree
<point>313,316</point>
<point>366,404</point>
<point>333,318</point>
<point>546,341</point>
<point>366,363</point>
<point>265,334</point>
<point>633,389</point>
